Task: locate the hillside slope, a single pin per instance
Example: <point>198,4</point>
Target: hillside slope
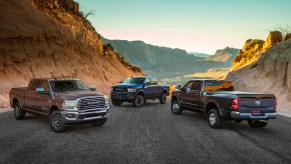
<point>41,39</point>
<point>269,71</point>
<point>225,55</point>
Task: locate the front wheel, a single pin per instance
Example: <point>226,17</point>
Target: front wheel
<point>116,102</point>
<point>56,121</point>
<point>138,101</point>
<point>257,123</point>
<point>19,114</point>
<point>214,119</point>
<point>175,107</point>
<point>163,98</point>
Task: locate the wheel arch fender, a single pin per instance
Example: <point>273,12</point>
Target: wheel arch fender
<point>212,104</point>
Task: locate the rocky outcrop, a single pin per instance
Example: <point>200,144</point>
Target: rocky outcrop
<point>42,38</point>
<point>288,36</point>
<point>253,49</point>
<point>273,38</point>
<point>271,73</point>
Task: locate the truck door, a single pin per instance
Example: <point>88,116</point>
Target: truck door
<point>43,101</point>
<point>185,95</point>
<point>196,94</point>
<point>155,87</point>
<point>148,91</point>
<point>31,94</point>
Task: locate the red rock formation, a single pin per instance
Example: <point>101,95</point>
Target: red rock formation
<point>273,38</point>
<point>42,38</point>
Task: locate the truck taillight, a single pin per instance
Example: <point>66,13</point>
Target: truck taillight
<point>235,103</point>
<point>275,104</point>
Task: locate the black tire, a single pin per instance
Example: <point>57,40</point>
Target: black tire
<point>237,121</point>
<point>116,102</point>
<point>257,123</point>
<point>163,98</point>
<point>99,123</point>
<point>19,114</point>
<point>214,119</point>
<point>175,107</point>
<point>138,101</point>
<point>56,122</point>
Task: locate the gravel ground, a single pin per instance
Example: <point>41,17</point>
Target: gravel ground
<point>151,134</point>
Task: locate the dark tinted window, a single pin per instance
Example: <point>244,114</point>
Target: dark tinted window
<point>197,85</point>
<point>35,84</point>
<point>219,86</point>
<point>154,81</point>
<point>67,85</point>
<point>188,84</point>
<point>134,80</point>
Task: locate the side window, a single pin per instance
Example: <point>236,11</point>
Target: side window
<point>147,81</point>
<point>35,84</point>
<point>45,86</point>
<point>197,85</point>
<point>154,81</point>
<point>188,84</point>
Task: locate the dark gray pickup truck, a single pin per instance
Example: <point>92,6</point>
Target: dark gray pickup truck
<point>64,101</point>
<point>218,100</point>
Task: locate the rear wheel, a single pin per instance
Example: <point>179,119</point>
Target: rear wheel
<point>56,121</point>
<point>138,101</point>
<point>175,107</point>
<point>214,119</point>
<point>99,123</point>
<point>257,123</point>
<point>19,114</point>
<point>163,98</point>
<point>116,102</point>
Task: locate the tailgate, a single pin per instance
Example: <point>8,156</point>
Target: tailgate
<point>257,105</point>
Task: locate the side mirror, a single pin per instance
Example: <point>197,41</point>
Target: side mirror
<point>179,87</point>
<point>92,88</point>
<point>40,91</point>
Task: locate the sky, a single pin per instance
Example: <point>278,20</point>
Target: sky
<point>193,25</point>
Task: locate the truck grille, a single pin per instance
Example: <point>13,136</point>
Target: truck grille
<point>91,103</point>
<point>120,89</point>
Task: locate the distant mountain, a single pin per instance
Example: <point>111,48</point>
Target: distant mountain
<point>198,54</point>
<point>168,63</point>
<point>225,55</point>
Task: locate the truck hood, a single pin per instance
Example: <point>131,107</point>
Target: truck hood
<point>127,85</point>
<point>76,94</point>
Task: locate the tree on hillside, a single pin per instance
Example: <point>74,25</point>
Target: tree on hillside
<point>284,30</point>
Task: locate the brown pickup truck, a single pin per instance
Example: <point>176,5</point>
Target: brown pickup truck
<point>64,101</point>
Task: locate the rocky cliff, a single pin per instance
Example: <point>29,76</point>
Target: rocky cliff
<point>265,67</point>
<point>51,38</point>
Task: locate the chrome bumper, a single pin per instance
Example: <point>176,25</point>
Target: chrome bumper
<point>77,116</point>
<point>238,115</point>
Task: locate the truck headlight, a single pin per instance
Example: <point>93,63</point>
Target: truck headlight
<point>131,90</point>
<point>106,101</point>
<point>70,104</point>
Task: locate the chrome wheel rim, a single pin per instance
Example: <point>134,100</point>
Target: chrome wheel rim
<point>16,111</point>
<point>176,107</point>
<point>57,121</point>
<point>139,101</point>
<point>212,118</point>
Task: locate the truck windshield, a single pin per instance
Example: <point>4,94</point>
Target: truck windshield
<point>134,80</point>
<point>219,86</point>
<point>67,85</point>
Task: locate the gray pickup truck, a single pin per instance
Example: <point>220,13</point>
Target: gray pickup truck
<point>218,100</point>
<point>64,101</point>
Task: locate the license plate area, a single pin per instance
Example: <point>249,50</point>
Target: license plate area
<point>256,112</point>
